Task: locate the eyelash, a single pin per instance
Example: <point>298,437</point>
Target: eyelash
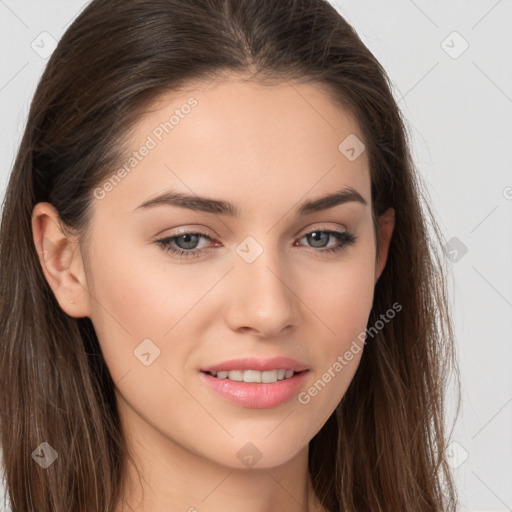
<point>344,237</point>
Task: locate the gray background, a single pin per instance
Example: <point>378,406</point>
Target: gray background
<point>458,106</point>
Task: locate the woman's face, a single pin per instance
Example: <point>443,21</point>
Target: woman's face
<point>264,278</point>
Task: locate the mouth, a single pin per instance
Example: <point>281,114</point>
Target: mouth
<point>254,376</point>
<point>256,383</point>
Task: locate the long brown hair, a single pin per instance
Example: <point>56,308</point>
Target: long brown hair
<point>384,447</point>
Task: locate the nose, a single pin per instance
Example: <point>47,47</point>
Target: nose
<point>262,298</point>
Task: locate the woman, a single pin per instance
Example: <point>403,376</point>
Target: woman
<point>218,286</point>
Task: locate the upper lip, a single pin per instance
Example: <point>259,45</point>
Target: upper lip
<point>252,363</point>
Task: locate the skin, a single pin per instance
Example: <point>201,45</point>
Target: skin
<point>266,149</point>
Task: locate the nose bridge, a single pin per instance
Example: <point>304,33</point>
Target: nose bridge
<point>262,297</point>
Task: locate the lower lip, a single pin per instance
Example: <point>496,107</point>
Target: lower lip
<point>254,395</point>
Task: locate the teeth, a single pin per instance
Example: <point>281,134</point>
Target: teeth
<point>236,375</point>
<point>269,376</point>
<point>254,375</point>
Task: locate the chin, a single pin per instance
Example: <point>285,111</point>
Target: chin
<point>259,452</point>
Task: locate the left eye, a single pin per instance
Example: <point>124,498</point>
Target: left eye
<point>187,242</point>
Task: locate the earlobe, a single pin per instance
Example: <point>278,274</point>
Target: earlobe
<point>61,261</point>
<point>385,232</point>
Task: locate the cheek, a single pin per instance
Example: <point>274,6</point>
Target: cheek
<point>341,297</point>
<point>145,296</point>
<point>341,293</point>
<point>350,299</point>
<point>128,305</point>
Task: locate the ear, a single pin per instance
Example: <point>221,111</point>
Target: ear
<point>61,261</point>
<point>385,232</point>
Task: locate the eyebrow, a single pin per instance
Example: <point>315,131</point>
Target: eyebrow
<point>216,206</point>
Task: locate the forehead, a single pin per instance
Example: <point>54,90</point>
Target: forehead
<point>240,140</point>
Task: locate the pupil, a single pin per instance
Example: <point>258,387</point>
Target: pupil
<point>319,234</point>
<point>187,239</point>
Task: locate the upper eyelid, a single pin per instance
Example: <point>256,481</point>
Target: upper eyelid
<point>200,231</point>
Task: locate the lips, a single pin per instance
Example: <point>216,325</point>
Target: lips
<point>263,390</point>
<point>256,395</point>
